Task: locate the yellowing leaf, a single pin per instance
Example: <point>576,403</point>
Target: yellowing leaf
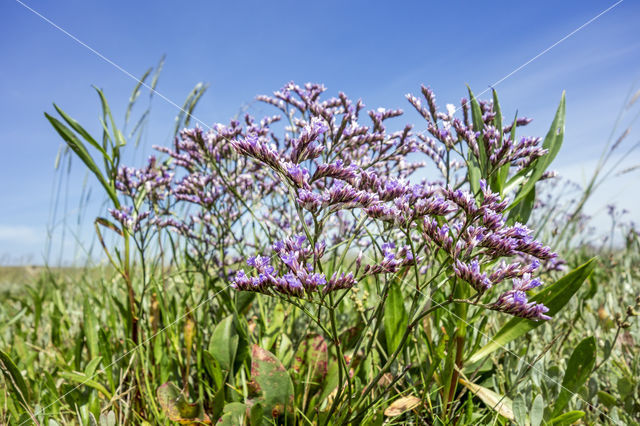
<point>499,403</point>
<point>177,409</point>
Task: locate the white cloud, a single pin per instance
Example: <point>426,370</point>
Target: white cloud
<point>20,235</point>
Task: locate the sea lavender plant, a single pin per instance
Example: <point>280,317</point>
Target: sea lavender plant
<point>295,208</point>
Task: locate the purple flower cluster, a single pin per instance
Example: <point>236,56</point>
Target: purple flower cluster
<point>128,218</point>
<point>515,301</point>
<point>446,131</point>
<point>334,175</point>
<point>297,276</point>
<point>154,179</point>
<point>392,260</point>
<point>477,234</point>
<point>218,187</point>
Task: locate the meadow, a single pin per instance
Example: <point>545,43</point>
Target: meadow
<point>329,264</point>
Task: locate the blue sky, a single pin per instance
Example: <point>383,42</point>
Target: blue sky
<point>367,49</point>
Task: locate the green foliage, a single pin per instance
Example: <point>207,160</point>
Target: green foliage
<point>578,371</point>
<point>395,318</point>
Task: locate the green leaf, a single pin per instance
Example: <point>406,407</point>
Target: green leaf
<point>537,411</point>
<point>395,318</point>
<point>552,142</point>
<point>272,381</point>
<point>497,120</point>
<point>91,367</point>
<point>177,409</point>
<point>499,177</point>
<point>519,410</point>
<point>119,138</point>
<point>473,172</point>
<point>625,387</point>
<point>224,343</point>
<point>255,414</point>
<point>90,324</point>
<point>554,297</point>
<point>85,380</point>
<point>311,359</point>
<point>81,131</point>
<point>579,368</point>
<point>478,126</point>
<point>14,379</point>
<point>522,211</point>
<point>79,149</point>
<point>331,382</point>
<point>567,418</point>
<point>607,399</point>
<point>233,414</point>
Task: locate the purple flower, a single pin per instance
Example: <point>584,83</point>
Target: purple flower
<point>471,273</point>
<point>515,302</point>
<point>299,175</point>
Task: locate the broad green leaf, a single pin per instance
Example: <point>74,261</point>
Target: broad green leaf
<point>519,410</point>
<point>255,415</point>
<point>522,211</point>
<point>331,382</point>
<point>567,418</point>
<point>554,297</point>
<point>91,367</point>
<point>552,142</point>
<point>224,343</point>
<point>607,399</point>
<point>177,409</point>
<point>625,387</point>
<point>473,172</point>
<point>537,411</point>
<point>499,403</point>
<point>272,380</point>
<point>233,414</point>
<point>311,359</point>
<point>395,318</point>
<point>14,379</point>
<point>85,380</point>
<point>213,368</point>
<point>579,368</point>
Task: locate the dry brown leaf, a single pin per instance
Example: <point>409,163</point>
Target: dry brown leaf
<point>385,380</point>
<point>402,405</point>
